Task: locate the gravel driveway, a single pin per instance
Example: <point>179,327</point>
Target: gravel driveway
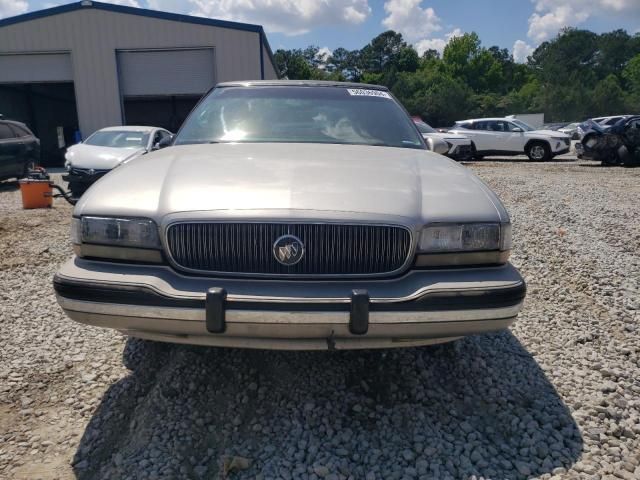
<point>557,396</point>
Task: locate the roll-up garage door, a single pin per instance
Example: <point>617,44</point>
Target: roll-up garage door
<point>166,72</point>
<point>35,68</point>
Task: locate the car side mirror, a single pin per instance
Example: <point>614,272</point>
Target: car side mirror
<point>517,130</point>
<point>165,142</point>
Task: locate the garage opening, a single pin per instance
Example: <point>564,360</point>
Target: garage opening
<point>166,112</point>
<point>160,87</point>
<point>38,90</point>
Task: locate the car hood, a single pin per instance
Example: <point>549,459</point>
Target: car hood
<point>273,180</point>
<point>100,158</point>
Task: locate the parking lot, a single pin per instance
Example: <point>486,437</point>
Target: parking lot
<point>557,396</point>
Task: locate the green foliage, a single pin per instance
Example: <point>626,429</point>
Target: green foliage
<point>577,75</point>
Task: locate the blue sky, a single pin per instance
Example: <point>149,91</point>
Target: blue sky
<point>518,25</point>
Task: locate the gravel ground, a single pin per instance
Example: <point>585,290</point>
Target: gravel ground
<point>557,396</point>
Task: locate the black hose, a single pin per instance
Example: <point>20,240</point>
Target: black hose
<point>66,195</point>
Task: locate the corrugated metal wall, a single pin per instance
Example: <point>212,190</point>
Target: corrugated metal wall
<point>93,36</point>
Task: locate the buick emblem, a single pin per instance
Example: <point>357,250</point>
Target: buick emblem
<point>288,250</point>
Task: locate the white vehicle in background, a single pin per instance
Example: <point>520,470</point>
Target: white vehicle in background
<point>509,136</point>
<point>458,146</point>
<point>88,161</point>
<point>571,130</point>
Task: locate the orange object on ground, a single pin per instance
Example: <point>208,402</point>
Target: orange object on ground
<point>36,193</point>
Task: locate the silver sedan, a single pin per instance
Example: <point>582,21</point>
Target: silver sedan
<point>293,215</point>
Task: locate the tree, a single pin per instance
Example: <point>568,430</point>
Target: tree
<point>608,96</point>
<point>382,51</point>
<point>631,74</point>
<point>292,64</point>
<point>408,60</point>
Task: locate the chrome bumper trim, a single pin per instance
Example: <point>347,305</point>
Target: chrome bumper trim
<point>285,317</point>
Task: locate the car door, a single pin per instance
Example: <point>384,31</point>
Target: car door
<point>10,151</point>
<point>515,140</point>
<point>498,137</point>
<point>479,136</point>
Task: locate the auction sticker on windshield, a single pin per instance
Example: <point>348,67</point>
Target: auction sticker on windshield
<point>361,92</point>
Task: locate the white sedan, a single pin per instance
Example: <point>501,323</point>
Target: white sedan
<point>509,136</point>
<point>106,149</point>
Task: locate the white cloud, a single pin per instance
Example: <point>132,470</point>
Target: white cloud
<point>323,54</point>
<point>552,15</point>
<point>521,50</point>
<point>437,43</point>
<point>292,17</point>
<point>10,8</point>
<point>410,19</point>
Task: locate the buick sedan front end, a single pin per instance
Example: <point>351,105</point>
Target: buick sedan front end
<point>293,215</point>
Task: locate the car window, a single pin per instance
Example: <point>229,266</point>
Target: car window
<point>496,126</point>
<point>5,132</point>
<point>19,131</point>
<point>612,120</point>
<point>305,114</point>
<point>465,125</point>
<point>118,139</point>
<point>481,125</point>
<point>157,137</point>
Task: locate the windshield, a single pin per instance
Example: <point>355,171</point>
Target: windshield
<point>425,128</point>
<point>290,114</point>
<point>118,139</point>
<point>523,126</point>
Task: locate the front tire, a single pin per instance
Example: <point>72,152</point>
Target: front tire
<point>538,152</point>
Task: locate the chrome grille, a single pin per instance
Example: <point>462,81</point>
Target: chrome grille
<point>330,249</point>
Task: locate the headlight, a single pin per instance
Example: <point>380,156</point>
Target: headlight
<point>121,232</point>
<point>471,237</point>
<point>450,245</point>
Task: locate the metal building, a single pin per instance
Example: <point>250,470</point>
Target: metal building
<point>88,65</point>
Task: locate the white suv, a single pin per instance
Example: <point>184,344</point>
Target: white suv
<point>509,136</point>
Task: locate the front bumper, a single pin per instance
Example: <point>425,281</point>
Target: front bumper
<point>81,179</point>
<point>421,307</point>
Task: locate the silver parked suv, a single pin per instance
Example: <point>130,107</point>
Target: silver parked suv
<point>293,215</point>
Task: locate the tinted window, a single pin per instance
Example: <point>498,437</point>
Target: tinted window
<point>300,115</point>
<point>5,132</point>
<point>118,139</point>
<point>481,125</point>
<point>495,126</point>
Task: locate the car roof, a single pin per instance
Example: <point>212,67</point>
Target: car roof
<point>13,122</point>
<point>300,83</point>
<point>129,128</point>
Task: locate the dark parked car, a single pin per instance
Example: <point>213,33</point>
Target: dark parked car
<point>19,149</point>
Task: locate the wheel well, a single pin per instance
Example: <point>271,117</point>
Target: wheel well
<point>534,141</point>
